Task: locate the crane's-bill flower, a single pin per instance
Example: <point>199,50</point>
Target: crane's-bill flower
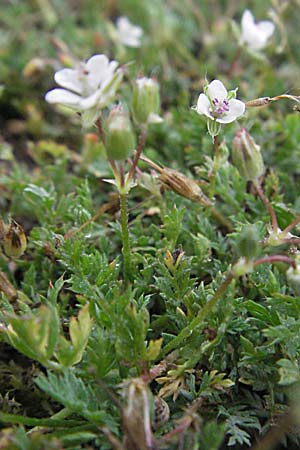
<point>219,105</point>
<point>127,33</point>
<point>88,88</point>
<point>255,35</point>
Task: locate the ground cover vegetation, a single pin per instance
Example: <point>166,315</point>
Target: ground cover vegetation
<point>150,210</point>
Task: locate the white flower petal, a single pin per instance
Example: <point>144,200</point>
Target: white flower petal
<point>236,109</point>
<point>128,34</point>
<point>131,41</point>
<point>91,101</point>
<point>154,118</point>
<point>64,97</point>
<point>255,35</point>
<point>247,20</point>
<point>123,23</point>
<point>68,79</point>
<point>266,28</point>
<point>109,73</point>
<point>216,89</point>
<point>203,105</point>
<point>97,68</point>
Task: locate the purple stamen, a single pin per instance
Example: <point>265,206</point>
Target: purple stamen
<point>219,108</point>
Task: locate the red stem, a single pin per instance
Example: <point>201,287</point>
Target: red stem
<point>275,258</point>
<point>291,225</point>
<point>100,130</point>
<point>141,143</point>
<point>268,205</point>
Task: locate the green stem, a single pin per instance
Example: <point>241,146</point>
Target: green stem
<point>125,237</point>
<point>188,330</point>
<point>215,167</point>
<point>221,219</point>
<point>31,421</point>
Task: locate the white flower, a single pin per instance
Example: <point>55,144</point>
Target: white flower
<point>255,35</point>
<point>127,33</point>
<point>89,87</point>
<point>218,104</point>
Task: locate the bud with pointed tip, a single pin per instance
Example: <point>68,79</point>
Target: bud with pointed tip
<point>246,156</point>
<point>146,101</point>
<point>120,139</point>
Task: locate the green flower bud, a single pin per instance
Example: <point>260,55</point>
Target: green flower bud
<point>146,101</point>
<point>247,244</point>
<point>120,139</point>
<point>246,156</point>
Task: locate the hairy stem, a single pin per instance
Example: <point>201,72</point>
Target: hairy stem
<point>125,237</point>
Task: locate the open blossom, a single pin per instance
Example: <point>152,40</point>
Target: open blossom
<point>255,35</point>
<point>89,87</point>
<point>127,33</point>
<point>219,105</point>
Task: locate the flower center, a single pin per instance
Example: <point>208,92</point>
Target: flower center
<point>219,108</point>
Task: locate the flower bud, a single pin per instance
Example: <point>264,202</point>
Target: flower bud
<point>293,278</point>
<point>120,139</point>
<point>246,156</point>
<point>146,101</point>
<point>247,244</point>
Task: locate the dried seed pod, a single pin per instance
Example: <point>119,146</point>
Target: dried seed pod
<point>184,186</point>
<point>258,102</point>
<point>136,415</point>
<point>14,240</point>
<point>161,412</point>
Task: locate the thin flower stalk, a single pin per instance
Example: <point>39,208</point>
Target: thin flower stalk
<point>212,174</point>
<point>138,152</point>
<point>126,251</point>
<point>275,258</point>
<point>268,206</point>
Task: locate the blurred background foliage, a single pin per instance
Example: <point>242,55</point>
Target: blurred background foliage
<point>240,367</point>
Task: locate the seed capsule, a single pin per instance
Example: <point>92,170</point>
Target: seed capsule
<point>13,240</point>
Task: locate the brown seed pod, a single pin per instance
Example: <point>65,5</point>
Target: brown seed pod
<point>13,240</point>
